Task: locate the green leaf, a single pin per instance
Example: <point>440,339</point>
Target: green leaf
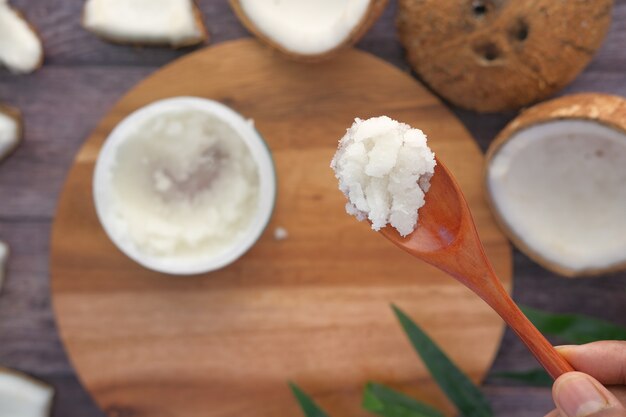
<point>534,377</point>
<point>457,386</point>
<point>308,406</point>
<point>574,328</point>
<point>386,402</point>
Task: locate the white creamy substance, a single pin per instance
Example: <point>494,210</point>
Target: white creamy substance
<point>384,169</point>
<point>305,26</point>
<point>20,48</point>
<point>561,187</point>
<point>183,186</point>
<point>8,134</point>
<point>143,21</point>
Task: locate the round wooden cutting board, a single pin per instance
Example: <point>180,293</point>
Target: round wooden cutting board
<point>313,308</point>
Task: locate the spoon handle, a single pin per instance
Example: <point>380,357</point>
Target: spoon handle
<point>539,346</point>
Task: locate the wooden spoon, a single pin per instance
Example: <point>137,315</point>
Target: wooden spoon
<point>446,237</point>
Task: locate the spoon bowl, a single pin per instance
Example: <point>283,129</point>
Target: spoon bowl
<point>439,220</point>
<point>446,238</point>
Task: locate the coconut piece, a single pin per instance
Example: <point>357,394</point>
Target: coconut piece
<point>489,55</point>
<point>308,30</point>
<point>384,169</point>
<point>10,130</point>
<point>4,256</point>
<point>23,396</point>
<point>555,181</point>
<point>176,23</point>
<point>20,47</point>
<point>280,233</point>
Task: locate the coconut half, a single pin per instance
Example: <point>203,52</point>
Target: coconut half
<point>4,256</point>
<point>20,47</point>
<point>176,23</point>
<point>493,55</point>
<point>308,30</point>
<point>23,396</point>
<point>10,130</point>
<point>556,181</point>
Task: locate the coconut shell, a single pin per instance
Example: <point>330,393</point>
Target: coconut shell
<point>16,115</point>
<point>494,55</point>
<point>604,109</point>
<point>374,11</point>
<point>198,19</point>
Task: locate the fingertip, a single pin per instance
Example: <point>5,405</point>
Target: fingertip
<point>604,360</point>
<point>578,395</point>
<point>565,350</point>
<point>565,347</point>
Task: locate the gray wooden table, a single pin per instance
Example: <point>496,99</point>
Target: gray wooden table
<point>84,76</point>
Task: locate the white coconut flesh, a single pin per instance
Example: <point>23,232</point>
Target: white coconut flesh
<point>22,396</point>
<point>303,26</point>
<point>20,47</point>
<point>4,256</point>
<point>560,187</point>
<point>170,22</point>
<point>9,134</point>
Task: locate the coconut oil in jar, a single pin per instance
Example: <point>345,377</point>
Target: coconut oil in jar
<point>184,185</point>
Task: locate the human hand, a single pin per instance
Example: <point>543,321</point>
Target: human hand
<point>581,394</point>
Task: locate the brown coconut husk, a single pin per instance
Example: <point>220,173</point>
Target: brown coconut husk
<point>494,55</point>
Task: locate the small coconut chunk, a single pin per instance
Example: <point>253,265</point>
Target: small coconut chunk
<point>151,22</point>
<point>304,28</point>
<point>10,130</point>
<point>23,396</point>
<point>4,256</point>
<point>20,47</point>
<point>280,233</point>
<point>384,169</point>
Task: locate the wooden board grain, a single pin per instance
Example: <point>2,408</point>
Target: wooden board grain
<point>313,308</point>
